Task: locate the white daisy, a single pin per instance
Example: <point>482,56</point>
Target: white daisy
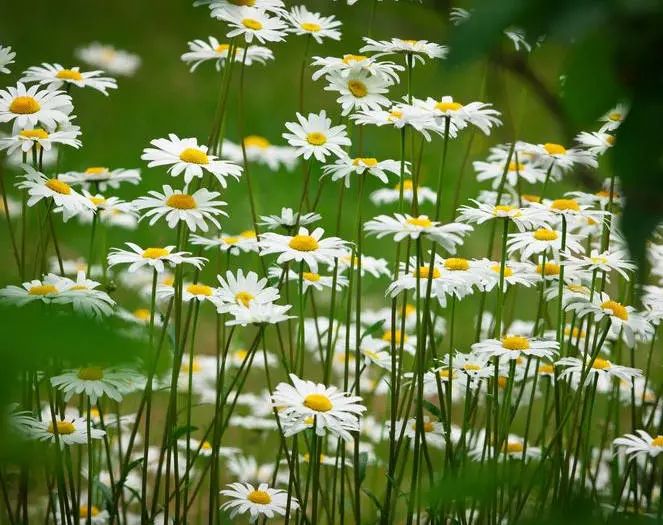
<point>102,177</point>
<point>46,290</point>
<point>201,51</point>
<point>6,57</point>
<point>156,258</point>
<point>95,382</point>
<point>288,219</point>
<point>459,116</point>
<point>391,195</point>
<point>70,430</point>
<point>252,22</point>
<point>84,297</point>
<point>596,142</point>
<point>314,135</point>
<point>345,167</point>
<point>606,261</point>
<point>194,209</point>
<point>310,279</point>
<point>31,107</point>
<point>243,290</point>
<point>348,64</point>
<point>417,49</point>
<point>524,218</point>
<point>572,368</point>
<point>516,346</point>
<point>640,445</point>
<point>115,61</point>
<point>515,171</point>
<point>26,139</point>
<point>244,242</point>
<point>359,90</point>
<point>54,76</point>
<point>258,313</point>
<point>186,156</point>
<point>614,118</point>
<point>540,240</point>
<point>257,502</point>
<point>305,22</point>
<point>259,150</point>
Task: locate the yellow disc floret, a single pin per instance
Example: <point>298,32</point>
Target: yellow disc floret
<point>318,402</point>
<point>303,243</point>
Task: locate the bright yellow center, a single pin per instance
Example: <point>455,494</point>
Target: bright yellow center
<point>395,114</point>
<point>565,204</point>
<point>357,88</point>
<point>424,272</point>
<point>318,402</point>
<point>63,427</point>
<point>516,166</point>
<point>252,23</point>
<point>407,184</point>
<point>546,369</point>
<point>256,141</point>
<point>260,497</point>
<point>554,149</point>
<point>69,74</point>
<point>315,138</point>
<point>248,234</point>
<point>549,268</point>
<point>91,373</point>
<point>222,48</point>
<point>195,366</point>
<point>240,355</point>
<point>303,243</point>
<point>155,253</point>
<point>457,264</point>
<point>531,198</point>
<point>610,139</point>
<point>231,240</point>
<point>615,116</point>
<point>142,314</point>
<point>515,342</point>
<point>96,170</point>
<point>471,367</point>
<point>599,259</point>
<point>181,201</point>
<point>24,106</point>
<point>601,364</point>
<point>194,156</point>
<point>58,186</point>
<point>448,106</point>
<point>311,27</point>
<point>97,201</point>
<point>513,447</point>
<point>365,161</point>
<point>244,298</point>
<point>617,309</point>
<point>444,373</point>
<point>543,234</point>
<point>86,511</point>
<point>508,272</point>
<point>199,289</point>
<point>206,445</point>
<point>348,59</point>
<point>399,336</point>
<point>42,289</point>
<point>657,442</point>
<point>504,208</point>
<point>422,221</point>
<point>410,309</point>
<point>310,276</point>
<point>36,133</point>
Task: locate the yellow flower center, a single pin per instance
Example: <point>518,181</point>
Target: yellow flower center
<point>69,74</point>
<point>531,198</point>
<point>194,156</point>
<point>231,240</point>
<point>502,381</point>
<point>516,166</point>
<point>601,364</point>
<point>244,297</point>
<point>311,27</point>
<point>515,342</point>
<point>610,139</point>
<point>24,106</point>
<point>657,442</point>
<point>444,373</point>
<point>365,161</point>
<point>508,272</point>
<point>63,427</point>
<point>615,116</point>
<point>42,289</point>
<point>252,23</point>
<point>155,253</point>
<point>222,48</point>
<point>348,59</point>
<point>410,309</point>
<point>357,88</point>
<point>36,133</point>
<point>471,367</point>
<point>86,511</point>
<point>260,497</point>
<point>91,373</point>
<point>195,366</point>
<point>303,243</point>
<point>422,221</point>
<point>554,149</point>
<point>448,106</point>
<point>168,281</point>
<point>424,272</point>
<point>206,445</point>
<point>256,141</point>
<point>407,184</point>
<point>546,369</point>
<point>549,268</point>
<point>400,336</point>
<point>315,138</point>
<point>181,201</point>
<point>58,186</point>
<point>199,289</point>
<point>310,276</point>
<point>543,234</point>
<point>318,402</point>
<point>504,208</point>
<point>513,447</point>
<point>97,201</point>
<point>617,309</point>
<point>599,259</point>
<point>565,204</point>
<point>395,114</point>
<point>96,170</point>
<point>457,264</point>
<point>142,314</point>
<point>240,355</point>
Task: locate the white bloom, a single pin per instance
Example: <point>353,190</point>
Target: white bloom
<point>258,149</point>
<point>95,382</point>
<point>359,90</point>
<point>495,172</point>
<point>252,22</point>
<point>614,118</point>
<point>257,502</point>
<point>459,116</point>
<point>345,167</point>
<point>46,290</point>
<point>201,51</point>
<point>115,61</point>
<point>523,218</point>
<point>391,195</point>
<point>314,135</point>
<point>640,445</point>
<point>540,240</point>
<point>71,431</point>
<point>516,346</point>
<point>54,76</point>
<point>102,177</point>
<point>305,22</point>
<point>596,142</point>
<point>26,139</point>
<point>572,368</point>
<point>288,219</point>
<point>151,257</point>
<point>243,290</point>
<point>348,64</point>
<point>6,57</point>
<point>30,107</point>
<point>258,313</point>
<point>244,242</point>
<point>417,49</point>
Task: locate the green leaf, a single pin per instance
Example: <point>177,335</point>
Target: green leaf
<point>375,328</point>
<point>363,462</point>
<point>179,432</point>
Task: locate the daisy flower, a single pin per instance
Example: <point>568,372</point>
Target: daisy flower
<point>401,115</point>
<point>359,90</point>
<point>314,135</point>
<point>193,209</point>
<point>288,219</point>
<point>515,273</point>
<point>186,156</point>
<point>306,247</point>
<point>84,297</point>
<point>39,187</point>
<point>606,261</point>
<point>115,61</point>
<point>516,346</point>
<point>276,7</point>
<point>614,118</point>
<point>102,177</point>
<point>30,107</point>
<point>348,64</point>
<point>252,22</point>
<point>156,258</point>
<point>558,159</point>
<point>26,139</point>
<point>6,57</point>
<point>524,218</point>
<point>475,367</point>
<point>310,279</point>
<point>332,410</point>
<point>572,368</point>
<point>595,142</point>
<point>540,240</point>
<point>70,430</point>
<point>408,281</point>
<point>404,225</point>
<point>373,265</point>
<point>94,382</point>
<point>54,76</point>
<point>190,291</point>
<point>418,50</point>
<point>345,167</point>
<point>244,242</point>
<point>257,502</point>
<point>459,116</point>
<point>515,171</point>
<point>391,195</point>
<point>243,290</point>
<point>46,290</point>
<point>305,22</point>
<point>258,149</point>
<point>258,313</point>
<point>640,445</point>
<point>96,515</point>
<point>434,430</point>
<point>201,51</point>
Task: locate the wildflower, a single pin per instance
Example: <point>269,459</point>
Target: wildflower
<point>516,346</point>
<point>190,291</point>
<point>95,382</point>
<point>258,313</point>
<point>373,265</point>
<point>257,502</point>
<point>459,116</point>
<point>391,195</point>
<point>84,297</point>
<point>6,57</point>
<point>259,150</point>
<point>26,139</point>
<point>243,290</point>
<point>201,51</point>
<point>314,135</point>
<point>557,159</point>
<point>595,142</point>
<point>606,261</point>
<point>572,368</point>
<point>358,91</point>
<point>156,257</point>
<point>349,64</point>
<point>32,107</point>
<point>46,290</point>
<point>497,171</point>
<point>310,279</point>
<point>54,76</point>
<point>640,445</point>
<point>418,50</point>
<point>305,22</point>
<point>71,430</point>
<point>288,219</point>
<point>115,61</point>
<point>345,167</point>
<point>251,22</point>
<point>614,118</point>
<point>101,177</point>
<point>524,218</point>
<point>541,240</point>
<point>244,242</point>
